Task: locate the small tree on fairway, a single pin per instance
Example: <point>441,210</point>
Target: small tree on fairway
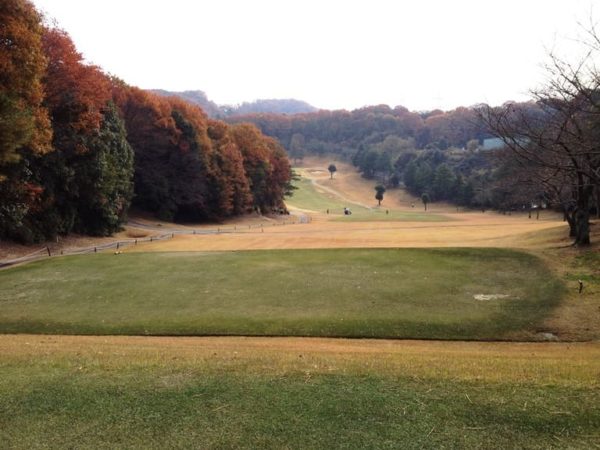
<point>332,169</point>
<point>380,190</point>
<point>425,199</point>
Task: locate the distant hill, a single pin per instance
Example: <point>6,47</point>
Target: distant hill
<point>274,106</point>
<point>197,98</point>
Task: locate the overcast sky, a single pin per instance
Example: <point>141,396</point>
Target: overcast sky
<point>422,54</point>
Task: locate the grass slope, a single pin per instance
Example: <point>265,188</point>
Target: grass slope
<point>74,392</point>
<point>411,293</point>
<point>308,197</point>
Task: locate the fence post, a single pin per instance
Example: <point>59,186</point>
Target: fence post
<point>117,245</point>
<point>95,250</point>
<point>135,242</point>
<point>48,249</point>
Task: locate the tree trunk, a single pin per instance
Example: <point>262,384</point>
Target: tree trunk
<point>582,216</point>
<point>570,219</point>
<point>598,201</point>
<point>583,227</point>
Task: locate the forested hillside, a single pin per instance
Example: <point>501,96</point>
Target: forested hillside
<point>78,148</point>
<point>438,153</point>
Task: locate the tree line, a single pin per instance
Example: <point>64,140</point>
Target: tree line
<point>79,148</point>
<point>438,153</point>
<point>343,132</point>
<point>549,152</point>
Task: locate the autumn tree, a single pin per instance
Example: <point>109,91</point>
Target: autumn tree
<point>23,119</point>
<point>266,166</point>
<point>84,184</point>
<point>186,166</point>
<point>87,179</point>
<point>229,159</point>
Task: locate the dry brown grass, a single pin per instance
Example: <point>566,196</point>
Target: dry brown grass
<point>135,233</point>
<point>464,230</point>
<point>554,363</point>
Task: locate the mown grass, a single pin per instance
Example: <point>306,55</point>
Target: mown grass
<point>407,293</point>
<point>65,393</point>
<point>307,197</point>
<point>383,214</point>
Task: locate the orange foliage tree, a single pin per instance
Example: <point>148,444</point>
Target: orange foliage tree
<point>76,93</point>
<point>23,119</point>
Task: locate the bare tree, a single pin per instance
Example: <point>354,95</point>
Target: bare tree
<point>555,141</point>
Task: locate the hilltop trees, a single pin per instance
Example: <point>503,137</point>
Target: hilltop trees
<point>380,129</point>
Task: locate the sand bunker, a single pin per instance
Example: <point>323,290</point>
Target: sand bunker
<point>488,297</point>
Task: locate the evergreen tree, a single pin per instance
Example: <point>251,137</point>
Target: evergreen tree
<point>332,169</point>
<point>443,183</point>
<point>105,179</point>
<point>379,191</point>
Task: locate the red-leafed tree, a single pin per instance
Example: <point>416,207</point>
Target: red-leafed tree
<point>236,197</point>
<point>266,166</point>
<point>76,93</point>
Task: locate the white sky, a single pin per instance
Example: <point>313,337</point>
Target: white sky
<point>422,54</point>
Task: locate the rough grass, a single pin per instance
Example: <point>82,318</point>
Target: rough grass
<point>107,392</point>
<point>408,293</point>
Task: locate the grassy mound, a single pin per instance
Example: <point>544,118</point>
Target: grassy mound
<point>401,293</point>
